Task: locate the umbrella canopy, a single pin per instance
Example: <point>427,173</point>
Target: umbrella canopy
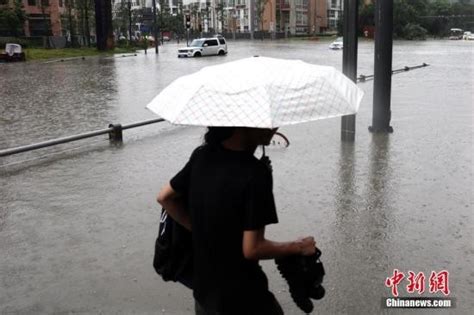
<point>257,92</point>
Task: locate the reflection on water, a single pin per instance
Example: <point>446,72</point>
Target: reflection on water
<point>378,198</point>
<point>361,207</point>
<point>46,101</point>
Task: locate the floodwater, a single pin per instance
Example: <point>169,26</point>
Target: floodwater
<point>78,221</point>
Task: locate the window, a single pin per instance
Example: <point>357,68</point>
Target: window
<point>60,3</point>
<point>221,41</point>
<point>2,2</point>
<point>32,2</point>
<point>45,3</point>
<point>212,42</point>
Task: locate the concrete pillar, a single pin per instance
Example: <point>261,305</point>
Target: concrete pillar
<point>349,61</point>
<point>381,113</point>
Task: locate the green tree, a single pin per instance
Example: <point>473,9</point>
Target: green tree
<point>195,15</point>
<point>12,20</point>
<point>404,13</point>
<point>259,10</point>
<point>103,22</point>
<point>71,21</point>
<point>366,16</point>
<point>439,10</point>
<point>220,15</point>
<point>46,22</point>
<point>414,32</point>
<point>121,18</point>
<point>163,15</point>
<point>86,13</point>
<point>408,13</point>
<point>175,24</point>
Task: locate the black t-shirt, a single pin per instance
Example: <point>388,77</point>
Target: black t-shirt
<point>227,192</point>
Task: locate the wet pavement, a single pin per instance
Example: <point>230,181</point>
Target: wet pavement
<point>78,221</point>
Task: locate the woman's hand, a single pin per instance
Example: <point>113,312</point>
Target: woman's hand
<point>307,245</point>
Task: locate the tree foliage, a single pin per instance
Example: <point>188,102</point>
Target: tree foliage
<point>413,18</point>
<point>259,10</point>
<point>12,20</point>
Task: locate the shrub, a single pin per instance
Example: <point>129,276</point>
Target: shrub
<point>414,32</point>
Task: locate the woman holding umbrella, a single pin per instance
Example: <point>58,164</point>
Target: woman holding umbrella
<point>224,196</point>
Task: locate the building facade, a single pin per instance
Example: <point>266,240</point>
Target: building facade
<point>335,10</point>
<point>43,17</point>
<point>292,16</point>
<point>301,16</point>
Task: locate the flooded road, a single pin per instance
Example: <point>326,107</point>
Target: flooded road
<point>78,221</point>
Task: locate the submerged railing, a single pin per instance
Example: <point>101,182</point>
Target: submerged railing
<point>364,78</point>
<point>114,131</point>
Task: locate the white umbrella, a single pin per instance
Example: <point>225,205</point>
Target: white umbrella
<point>257,92</point>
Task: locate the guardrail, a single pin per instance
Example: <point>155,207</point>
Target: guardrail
<point>364,78</point>
<point>114,131</point>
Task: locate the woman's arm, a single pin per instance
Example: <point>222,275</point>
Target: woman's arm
<point>256,247</point>
<point>174,204</point>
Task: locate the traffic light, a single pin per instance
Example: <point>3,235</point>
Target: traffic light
<point>188,21</point>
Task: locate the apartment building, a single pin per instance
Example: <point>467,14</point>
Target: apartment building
<point>292,16</point>
<point>43,17</point>
<point>301,16</point>
<point>335,10</point>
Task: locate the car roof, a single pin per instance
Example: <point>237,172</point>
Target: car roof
<point>216,37</point>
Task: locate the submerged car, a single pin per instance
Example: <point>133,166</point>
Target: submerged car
<point>12,52</point>
<point>337,44</point>
<point>204,47</point>
<point>468,36</point>
<point>456,34</point>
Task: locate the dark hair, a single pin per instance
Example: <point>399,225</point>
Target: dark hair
<point>215,135</point>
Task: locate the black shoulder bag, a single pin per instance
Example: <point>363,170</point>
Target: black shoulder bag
<point>173,259</point>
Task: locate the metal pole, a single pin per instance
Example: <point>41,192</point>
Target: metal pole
<point>49,143</point>
<point>155,33</point>
<point>130,21</point>
<point>349,61</point>
<point>382,67</point>
<point>114,131</point>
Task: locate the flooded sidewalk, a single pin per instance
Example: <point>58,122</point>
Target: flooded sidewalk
<point>78,226</point>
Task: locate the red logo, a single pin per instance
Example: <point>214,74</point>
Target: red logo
<point>394,281</point>
<point>438,282</point>
<point>417,283</point>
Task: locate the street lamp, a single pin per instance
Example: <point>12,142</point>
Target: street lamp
<point>129,4</point>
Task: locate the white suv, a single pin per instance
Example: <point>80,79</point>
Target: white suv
<point>205,47</point>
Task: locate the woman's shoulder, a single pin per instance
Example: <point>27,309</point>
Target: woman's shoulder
<point>197,152</point>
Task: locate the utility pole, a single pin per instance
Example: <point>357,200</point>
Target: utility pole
<point>155,33</point>
<point>381,113</point>
<point>349,61</point>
